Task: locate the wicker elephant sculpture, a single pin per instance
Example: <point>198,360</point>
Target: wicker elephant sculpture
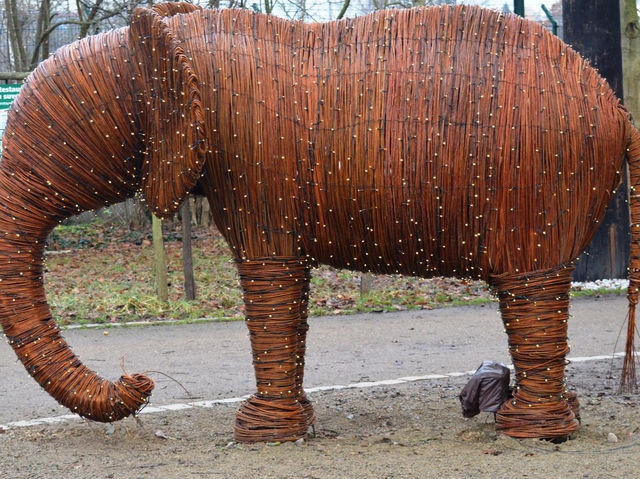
<point>451,141</point>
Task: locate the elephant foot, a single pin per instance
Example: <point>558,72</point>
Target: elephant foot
<point>307,407</point>
<point>552,420</point>
<point>271,420</point>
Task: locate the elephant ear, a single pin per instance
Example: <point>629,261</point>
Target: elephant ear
<point>170,113</point>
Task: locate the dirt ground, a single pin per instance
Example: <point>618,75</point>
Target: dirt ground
<point>407,431</point>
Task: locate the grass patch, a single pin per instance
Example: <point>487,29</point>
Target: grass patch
<point>114,283</point>
<point>98,273</point>
<point>591,293</point>
<point>103,274</point>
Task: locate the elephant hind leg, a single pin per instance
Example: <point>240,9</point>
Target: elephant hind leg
<point>274,293</point>
<point>535,309</point>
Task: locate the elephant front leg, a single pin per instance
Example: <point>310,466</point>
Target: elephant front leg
<point>535,309</point>
<point>303,327</point>
<point>274,293</point>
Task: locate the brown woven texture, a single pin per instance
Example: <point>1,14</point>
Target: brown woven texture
<point>436,141</point>
<point>629,381</point>
<point>535,309</point>
<point>275,292</point>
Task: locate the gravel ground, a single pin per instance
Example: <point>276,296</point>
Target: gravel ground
<point>405,431</point>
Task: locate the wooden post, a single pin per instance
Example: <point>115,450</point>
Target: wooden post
<point>160,260</point>
<point>592,27</point>
<point>187,251</point>
<point>366,283</point>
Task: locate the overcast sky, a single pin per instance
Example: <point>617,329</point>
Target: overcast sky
<point>528,4</point>
<point>322,10</point>
<point>532,7</point>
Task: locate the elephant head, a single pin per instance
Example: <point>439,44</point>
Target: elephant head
<point>102,119</point>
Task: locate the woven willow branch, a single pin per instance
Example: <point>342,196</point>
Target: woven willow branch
<point>438,141</point>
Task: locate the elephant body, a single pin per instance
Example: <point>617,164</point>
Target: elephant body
<point>421,142</point>
<point>436,141</point>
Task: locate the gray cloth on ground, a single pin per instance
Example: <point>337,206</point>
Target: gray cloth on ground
<point>487,389</point>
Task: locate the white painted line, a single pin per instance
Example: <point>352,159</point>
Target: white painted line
<point>172,407</point>
<point>53,420</point>
<point>581,359</point>
<point>423,378</point>
<point>337,387</point>
<point>391,382</point>
<point>150,410</point>
<point>166,407</point>
<point>166,322</point>
<point>324,388</point>
<point>364,384</point>
<point>216,402</point>
<point>41,421</point>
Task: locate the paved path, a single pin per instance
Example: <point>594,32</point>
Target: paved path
<point>213,360</point>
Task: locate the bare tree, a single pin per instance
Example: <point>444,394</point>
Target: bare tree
<point>382,4</point>
<point>344,8</point>
<point>187,251</point>
<point>160,260</point>
<point>15,33</point>
<point>30,25</point>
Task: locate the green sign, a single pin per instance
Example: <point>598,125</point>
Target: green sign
<point>7,94</point>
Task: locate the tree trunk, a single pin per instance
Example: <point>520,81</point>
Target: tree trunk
<point>160,260</point>
<point>41,48</point>
<point>630,56</point>
<point>366,283</point>
<point>592,27</point>
<point>343,10</point>
<point>187,251</point>
<point>16,36</point>
<point>201,211</point>
<point>90,19</point>
<point>46,23</point>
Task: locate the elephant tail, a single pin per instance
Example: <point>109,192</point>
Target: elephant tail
<point>628,381</point>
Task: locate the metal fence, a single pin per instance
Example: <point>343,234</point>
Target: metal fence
<point>60,36</point>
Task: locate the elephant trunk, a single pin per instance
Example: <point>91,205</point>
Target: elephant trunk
<point>628,381</point>
<point>101,119</point>
<point>56,163</point>
<point>36,339</point>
